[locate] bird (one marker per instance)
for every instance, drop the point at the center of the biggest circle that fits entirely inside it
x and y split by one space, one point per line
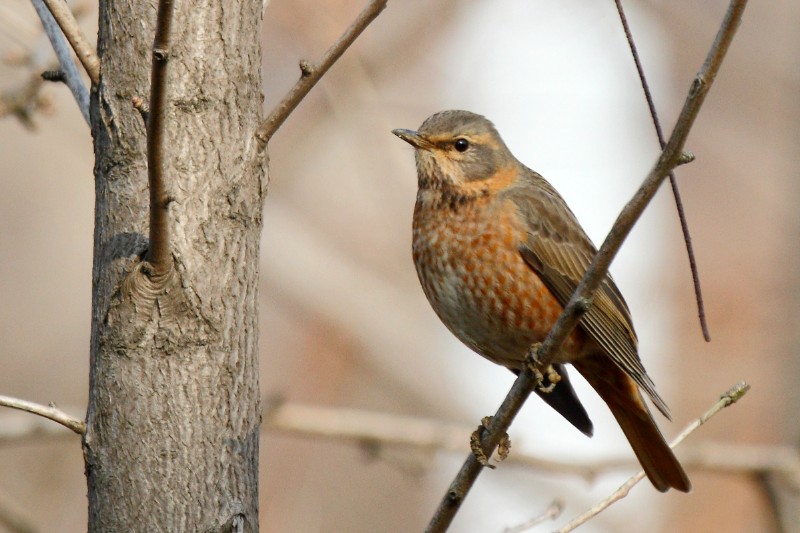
499 253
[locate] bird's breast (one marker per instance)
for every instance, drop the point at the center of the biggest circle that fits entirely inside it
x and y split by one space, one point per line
468 262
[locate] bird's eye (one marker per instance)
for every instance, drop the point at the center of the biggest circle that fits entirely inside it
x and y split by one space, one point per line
461 145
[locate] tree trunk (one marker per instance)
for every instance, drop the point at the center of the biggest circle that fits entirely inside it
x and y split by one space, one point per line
173 417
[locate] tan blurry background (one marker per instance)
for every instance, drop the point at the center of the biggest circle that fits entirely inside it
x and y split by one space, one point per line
343 321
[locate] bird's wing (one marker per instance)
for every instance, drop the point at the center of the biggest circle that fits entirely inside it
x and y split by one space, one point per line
560 252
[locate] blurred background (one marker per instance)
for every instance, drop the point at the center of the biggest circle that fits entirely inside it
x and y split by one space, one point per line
344 323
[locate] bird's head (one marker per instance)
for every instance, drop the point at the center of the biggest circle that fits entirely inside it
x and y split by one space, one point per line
457 148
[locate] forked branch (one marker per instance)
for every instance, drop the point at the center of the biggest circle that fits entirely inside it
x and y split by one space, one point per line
729 398
71 76
66 21
310 74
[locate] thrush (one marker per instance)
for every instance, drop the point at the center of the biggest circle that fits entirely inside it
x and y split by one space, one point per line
499 253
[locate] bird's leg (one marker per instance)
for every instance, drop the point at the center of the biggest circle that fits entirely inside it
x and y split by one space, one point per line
503 448
550 375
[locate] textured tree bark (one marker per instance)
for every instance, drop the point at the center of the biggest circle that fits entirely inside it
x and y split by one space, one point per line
173 416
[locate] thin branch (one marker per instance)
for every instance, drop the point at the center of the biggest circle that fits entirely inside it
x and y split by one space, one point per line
86 54
311 74
581 298
70 72
51 412
472 467
365 426
19 428
552 511
727 399
379 431
687 238
385 429
158 253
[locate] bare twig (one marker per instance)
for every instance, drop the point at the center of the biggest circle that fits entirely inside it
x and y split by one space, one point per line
311 74
727 399
51 412
469 472
86 54
581 298
19 428
360 425
383 430
54 75
687 238
71 76
158 253
552 511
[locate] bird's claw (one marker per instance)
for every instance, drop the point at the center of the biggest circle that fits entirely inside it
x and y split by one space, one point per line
552 376
503 447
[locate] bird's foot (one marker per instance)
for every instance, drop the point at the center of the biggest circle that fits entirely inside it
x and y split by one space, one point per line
552 377
503 447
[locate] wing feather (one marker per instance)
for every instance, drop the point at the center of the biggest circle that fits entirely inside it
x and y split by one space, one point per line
560 252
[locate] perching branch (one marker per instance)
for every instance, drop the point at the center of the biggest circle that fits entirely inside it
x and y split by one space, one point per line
727 399
51 412
687 238
66 21
632 211
310 74
158 253
597 271
71 75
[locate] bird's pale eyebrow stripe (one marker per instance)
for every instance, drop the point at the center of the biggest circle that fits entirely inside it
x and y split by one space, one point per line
486 139
443 138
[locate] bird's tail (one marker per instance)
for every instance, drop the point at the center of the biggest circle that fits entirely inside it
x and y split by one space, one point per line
622 395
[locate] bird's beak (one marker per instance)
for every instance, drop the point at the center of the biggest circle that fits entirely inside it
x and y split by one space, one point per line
414 138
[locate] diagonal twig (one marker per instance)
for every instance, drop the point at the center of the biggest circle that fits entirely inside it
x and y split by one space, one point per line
71 75
552 511
51 412
86 54
730 397
310 74
687 238
581 299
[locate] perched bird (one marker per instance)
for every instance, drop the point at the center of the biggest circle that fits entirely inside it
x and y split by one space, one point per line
499 254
